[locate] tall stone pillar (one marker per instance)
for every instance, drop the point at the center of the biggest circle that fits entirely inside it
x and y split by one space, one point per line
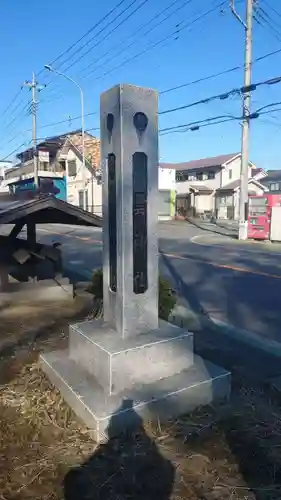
129 149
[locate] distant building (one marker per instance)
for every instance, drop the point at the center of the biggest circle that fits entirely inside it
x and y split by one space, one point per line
60 163
272 181
4 166
213 185
166 193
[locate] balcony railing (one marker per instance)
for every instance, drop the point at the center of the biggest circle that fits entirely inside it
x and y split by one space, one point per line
28 168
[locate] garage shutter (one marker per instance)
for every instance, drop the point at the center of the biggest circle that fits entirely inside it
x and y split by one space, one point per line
164 198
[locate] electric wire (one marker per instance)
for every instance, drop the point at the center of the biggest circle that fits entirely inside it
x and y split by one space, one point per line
85 34
145 25
107 34
151 47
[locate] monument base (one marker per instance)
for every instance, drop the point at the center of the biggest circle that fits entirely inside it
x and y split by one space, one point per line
200 384
119 364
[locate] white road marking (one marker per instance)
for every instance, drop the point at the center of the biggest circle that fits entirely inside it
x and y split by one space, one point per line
235 245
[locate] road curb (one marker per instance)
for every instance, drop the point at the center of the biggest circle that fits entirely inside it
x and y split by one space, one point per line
245 336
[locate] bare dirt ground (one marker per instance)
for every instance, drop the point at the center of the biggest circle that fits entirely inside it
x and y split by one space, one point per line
225 453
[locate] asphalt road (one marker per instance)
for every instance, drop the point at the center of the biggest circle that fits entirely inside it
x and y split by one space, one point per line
234 282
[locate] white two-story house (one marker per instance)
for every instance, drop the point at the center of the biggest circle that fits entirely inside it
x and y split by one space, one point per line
212 185
76 179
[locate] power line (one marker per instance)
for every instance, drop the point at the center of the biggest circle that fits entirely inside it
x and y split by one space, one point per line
44 139
196 125
261 17
86 34
203 79
193 82
224 95
67 121
156 44
221 73
268 106
272 8
140 29
14 151
269 16
24 110
202 101
107 35
11 102
151 47
191 126
197 122
159 42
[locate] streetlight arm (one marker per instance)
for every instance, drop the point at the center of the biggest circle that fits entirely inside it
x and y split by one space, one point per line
68 78
235 13
53 70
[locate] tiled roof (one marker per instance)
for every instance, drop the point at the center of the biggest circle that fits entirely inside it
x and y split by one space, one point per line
272 175
215 161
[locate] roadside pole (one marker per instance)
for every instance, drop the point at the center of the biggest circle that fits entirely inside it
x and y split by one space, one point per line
246 99
33 86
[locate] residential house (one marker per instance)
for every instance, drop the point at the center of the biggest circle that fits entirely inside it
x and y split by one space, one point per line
71 154
273 181
211 185
166 193
227 198
60 159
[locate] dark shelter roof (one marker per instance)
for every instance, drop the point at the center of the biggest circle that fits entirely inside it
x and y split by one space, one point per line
46 210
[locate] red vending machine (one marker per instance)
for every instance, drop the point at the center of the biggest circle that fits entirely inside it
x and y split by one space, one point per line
260 212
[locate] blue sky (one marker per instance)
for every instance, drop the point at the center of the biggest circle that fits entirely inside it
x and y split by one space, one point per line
33 35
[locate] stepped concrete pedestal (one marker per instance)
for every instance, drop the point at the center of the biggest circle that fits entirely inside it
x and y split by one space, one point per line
130 363
157 371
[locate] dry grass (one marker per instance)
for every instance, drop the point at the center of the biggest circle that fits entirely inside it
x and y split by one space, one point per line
227 455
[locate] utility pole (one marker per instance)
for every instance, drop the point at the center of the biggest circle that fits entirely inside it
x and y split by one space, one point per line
33 86
246 97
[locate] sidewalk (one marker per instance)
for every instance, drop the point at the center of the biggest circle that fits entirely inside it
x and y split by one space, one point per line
218 227
213 238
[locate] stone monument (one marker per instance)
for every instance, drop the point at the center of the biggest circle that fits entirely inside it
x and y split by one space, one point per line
131 355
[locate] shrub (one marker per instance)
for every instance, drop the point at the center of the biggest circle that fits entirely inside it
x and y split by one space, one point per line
167 297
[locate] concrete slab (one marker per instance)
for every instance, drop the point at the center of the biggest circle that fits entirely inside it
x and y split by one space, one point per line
121 363
201 384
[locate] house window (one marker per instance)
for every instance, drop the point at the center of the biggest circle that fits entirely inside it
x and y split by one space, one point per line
230 174
81 199
211 175
62 165
199 177
43 165
72 170
274 186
